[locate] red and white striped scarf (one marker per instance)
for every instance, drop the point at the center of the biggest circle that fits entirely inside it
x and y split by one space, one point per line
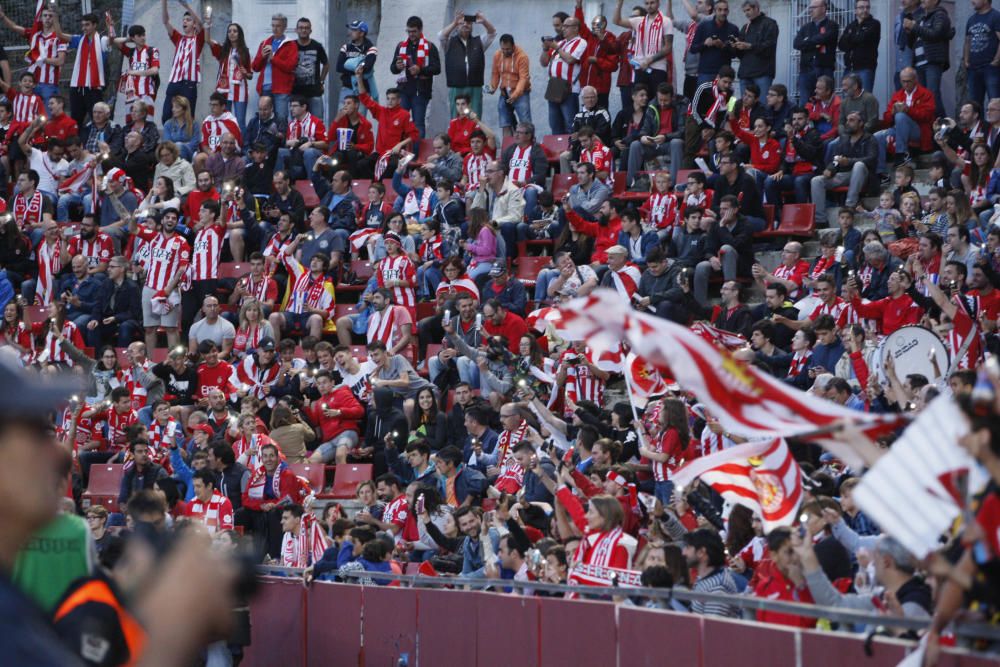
799 361
511 477
88 70
721 100
381 325
822 265
423 57
305 547
162 436
136 390
76 180
649 36
689 38
360 238
212 514
241 446
508 439
28 211
382 164
414 207
49 265
461 284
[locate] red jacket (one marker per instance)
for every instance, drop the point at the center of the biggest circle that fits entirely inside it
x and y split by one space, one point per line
766 158
288 486
512 328
605 50
283 62
604 237
61 128
364 135
891 312
625 73
775 586
341 398
921 111
394 125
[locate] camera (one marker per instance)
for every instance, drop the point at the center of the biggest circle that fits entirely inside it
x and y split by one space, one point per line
496 349
549 38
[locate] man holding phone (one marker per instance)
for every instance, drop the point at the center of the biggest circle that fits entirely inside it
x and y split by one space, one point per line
465 58
416 63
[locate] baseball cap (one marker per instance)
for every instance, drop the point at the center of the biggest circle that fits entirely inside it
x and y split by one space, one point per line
204 428
358 25
498 269
617 250
266 344
394 237
35 396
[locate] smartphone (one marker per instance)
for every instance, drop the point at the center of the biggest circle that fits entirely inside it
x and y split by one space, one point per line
420 504
470 18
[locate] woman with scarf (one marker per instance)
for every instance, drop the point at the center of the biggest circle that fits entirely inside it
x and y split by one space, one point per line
604 544
385 420
416 201
454 280
234 71
249 443
253 328
58 327
15 333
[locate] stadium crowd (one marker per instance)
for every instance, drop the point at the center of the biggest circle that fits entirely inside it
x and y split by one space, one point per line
262 304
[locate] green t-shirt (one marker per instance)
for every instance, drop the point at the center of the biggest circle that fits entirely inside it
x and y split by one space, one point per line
56 555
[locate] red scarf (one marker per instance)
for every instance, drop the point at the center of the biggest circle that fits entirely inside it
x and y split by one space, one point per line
511 477
821 267
27 211
305 547
799 360
423 57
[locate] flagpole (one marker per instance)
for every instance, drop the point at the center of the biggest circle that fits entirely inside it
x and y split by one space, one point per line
631 401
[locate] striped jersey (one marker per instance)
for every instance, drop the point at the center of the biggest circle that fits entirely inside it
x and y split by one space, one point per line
206 252
41 46
560 69
216 514
399 268
97 250
308 291
167 256
519 167
25 107
187 58
213 127
231 81
307 128
141 58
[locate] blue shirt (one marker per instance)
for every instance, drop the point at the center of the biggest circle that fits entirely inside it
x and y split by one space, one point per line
981 31
275 43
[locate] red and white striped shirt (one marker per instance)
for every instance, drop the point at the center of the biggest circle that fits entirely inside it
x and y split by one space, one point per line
216 514
841 311
667 442
386 325
88 68
263 290
794 273
26 107
28 211
308 291
187 58
396 512
519 167
52 351
647 36
253 378
308 128
167 256
117 423
163 436
137 392
142 58
97 250
663 210
399 268
206 252
41 46
213 127
474 169
277 245
962 327
599 155
231 81
581 384
561 69
49 265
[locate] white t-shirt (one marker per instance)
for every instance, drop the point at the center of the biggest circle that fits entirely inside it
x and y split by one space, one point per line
358 382
218 332
581 275
49 172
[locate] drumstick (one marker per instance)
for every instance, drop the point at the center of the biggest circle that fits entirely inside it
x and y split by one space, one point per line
932 355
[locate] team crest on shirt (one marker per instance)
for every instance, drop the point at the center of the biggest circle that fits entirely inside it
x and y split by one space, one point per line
765 154
770 489
395 122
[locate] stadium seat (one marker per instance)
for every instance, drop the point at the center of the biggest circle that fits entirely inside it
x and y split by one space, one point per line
37 313
105 483
769 215
308 192
348 476
529 267
425 147
682 177
553 145
506 143
390 193
360 189
362 268
546 246
561 183
312 472
360 352
233 269
425 309
796 220
341 309
619 189
157 355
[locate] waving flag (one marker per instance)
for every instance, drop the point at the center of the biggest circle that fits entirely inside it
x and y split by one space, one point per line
917 490
761 476
746 401
713 334
539 319
644 380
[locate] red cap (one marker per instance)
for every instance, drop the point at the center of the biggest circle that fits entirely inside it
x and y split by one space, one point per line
204 428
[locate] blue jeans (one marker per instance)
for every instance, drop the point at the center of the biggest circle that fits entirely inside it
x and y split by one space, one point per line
542 280
930 78
663 491
416 104
65 201
309 157
188 89
428 280
904 131
280 102
561 115
530 204
981 81
867 78
480 269
763 82
797 184
518 111
239 109
807 82
45 91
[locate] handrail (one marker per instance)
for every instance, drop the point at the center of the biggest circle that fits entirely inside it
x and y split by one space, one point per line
746 602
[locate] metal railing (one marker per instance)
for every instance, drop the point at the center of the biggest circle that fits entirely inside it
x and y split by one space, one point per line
969 630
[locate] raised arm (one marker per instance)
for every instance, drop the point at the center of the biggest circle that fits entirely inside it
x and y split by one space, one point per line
617 18
20 30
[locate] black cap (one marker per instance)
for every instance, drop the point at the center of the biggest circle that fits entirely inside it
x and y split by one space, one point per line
29 395
266 344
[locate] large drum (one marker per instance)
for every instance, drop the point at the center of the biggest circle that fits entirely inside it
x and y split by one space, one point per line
915 350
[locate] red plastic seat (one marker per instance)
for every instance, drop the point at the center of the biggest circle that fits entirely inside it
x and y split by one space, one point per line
506 143
425 148
104 485
308 192
425 309
769 215
796 220
529 267
233 269
312 472
544 244
347 478
342 309
619 188
360 189
37 313
682 176
362 268
554 144
561 183
158 354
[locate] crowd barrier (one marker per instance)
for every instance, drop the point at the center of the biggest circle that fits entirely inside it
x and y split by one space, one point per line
346 624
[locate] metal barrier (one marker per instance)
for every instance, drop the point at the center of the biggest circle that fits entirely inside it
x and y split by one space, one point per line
295 625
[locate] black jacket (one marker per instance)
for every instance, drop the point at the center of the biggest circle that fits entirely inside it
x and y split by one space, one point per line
760 59
818 45
864 150
352 50
809 147
782 337
270 132
740 238
178 388
133 481
423 82
739 321
598 119
743 188
621 130
139 166
464 64
933 32
128 301
860 44
231 484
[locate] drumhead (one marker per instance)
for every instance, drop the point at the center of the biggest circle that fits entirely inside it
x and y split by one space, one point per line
915 350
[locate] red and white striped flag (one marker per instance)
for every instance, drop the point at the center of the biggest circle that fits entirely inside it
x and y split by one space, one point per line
626 280
746 401
761 476
917 490
540 319
713 334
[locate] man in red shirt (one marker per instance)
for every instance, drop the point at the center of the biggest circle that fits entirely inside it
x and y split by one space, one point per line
337 413
356 153
783 580
894 311
59 126
789 273
208 505
204 191
499 321
600 60
396 130
909 115
212 372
